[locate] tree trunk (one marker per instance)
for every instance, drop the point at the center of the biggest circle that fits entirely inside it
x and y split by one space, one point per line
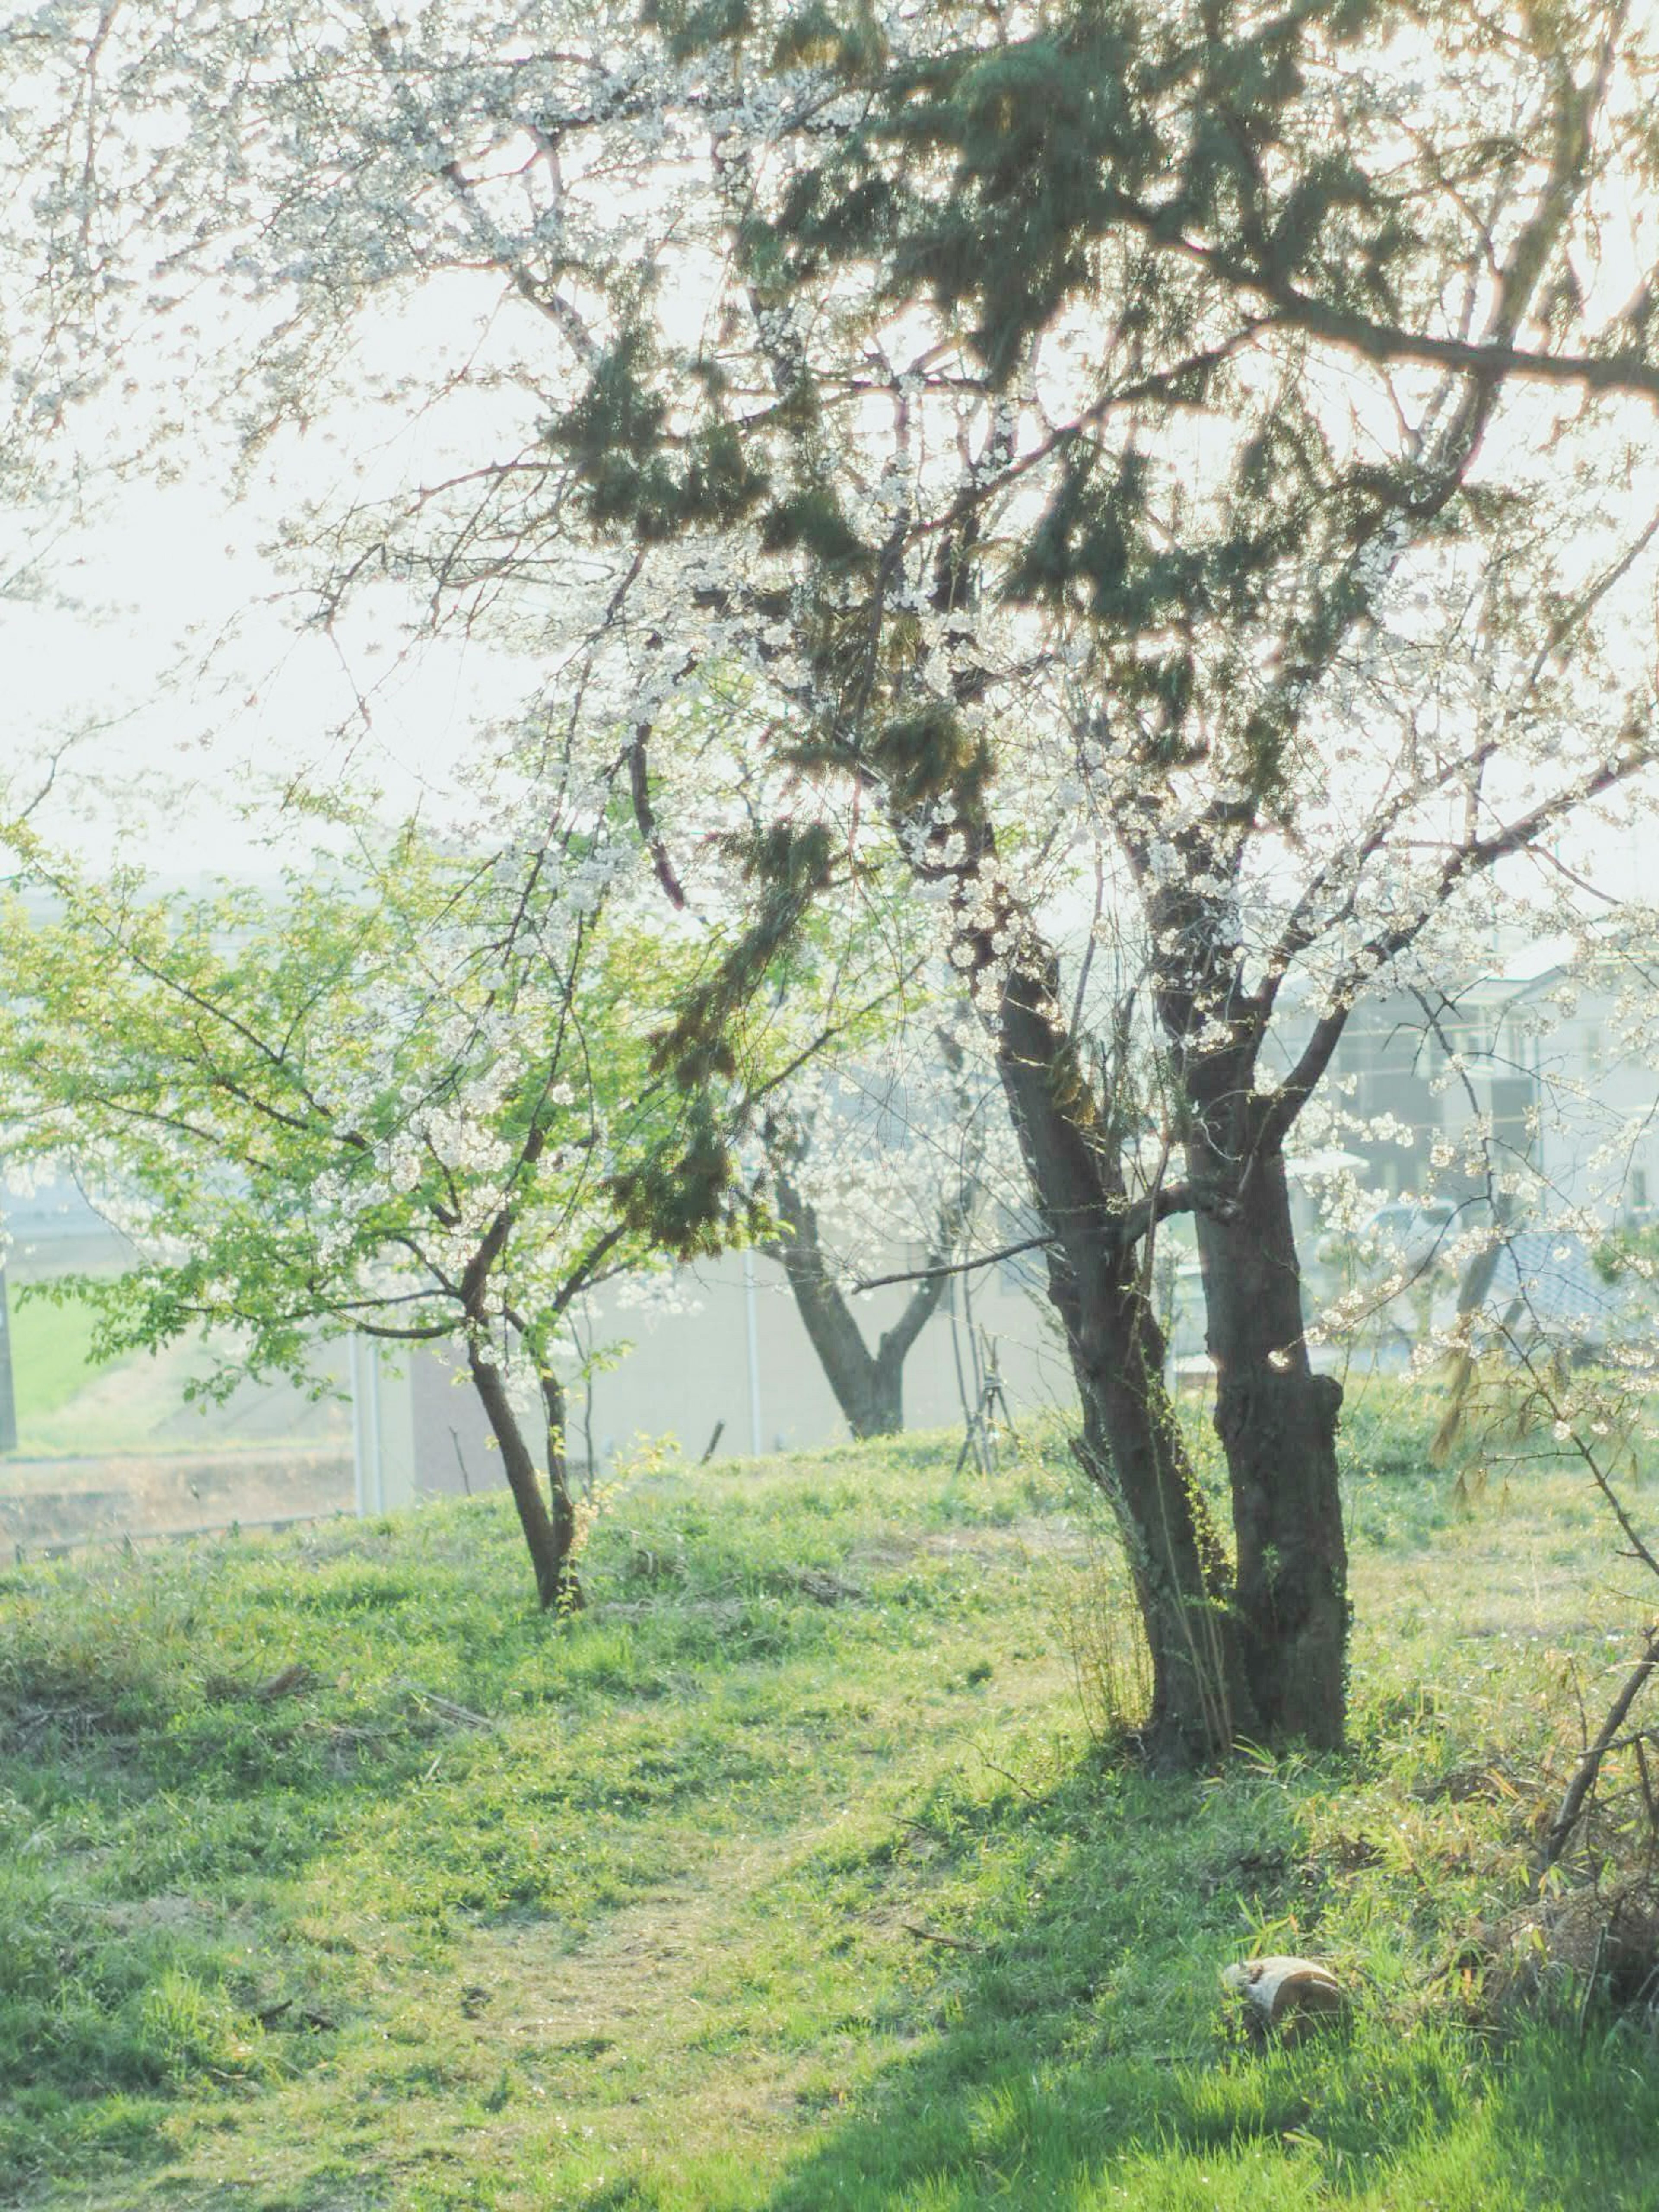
1277 1422
1132 1447
1131 1444
869 1387
549 1522
1477 1280
563 1504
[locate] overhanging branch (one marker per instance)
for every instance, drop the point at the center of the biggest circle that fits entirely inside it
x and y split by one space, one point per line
1627 371
1126 1227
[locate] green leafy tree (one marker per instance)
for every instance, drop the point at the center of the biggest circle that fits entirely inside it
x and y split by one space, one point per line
412 1097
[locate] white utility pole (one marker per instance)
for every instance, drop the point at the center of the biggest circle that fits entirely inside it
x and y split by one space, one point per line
366 1457
749 1299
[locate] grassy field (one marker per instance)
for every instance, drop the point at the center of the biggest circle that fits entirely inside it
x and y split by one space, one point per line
50 1355
789 1876
70 1406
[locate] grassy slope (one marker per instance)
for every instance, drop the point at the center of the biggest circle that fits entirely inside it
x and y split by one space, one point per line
68 1405
724 1896
50 1346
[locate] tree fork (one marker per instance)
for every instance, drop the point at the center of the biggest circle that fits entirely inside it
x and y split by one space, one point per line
869 1387
1131 1446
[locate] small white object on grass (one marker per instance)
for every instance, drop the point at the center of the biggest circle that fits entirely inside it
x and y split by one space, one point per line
1285 1995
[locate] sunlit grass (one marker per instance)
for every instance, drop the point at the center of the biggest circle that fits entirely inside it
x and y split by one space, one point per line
785 1876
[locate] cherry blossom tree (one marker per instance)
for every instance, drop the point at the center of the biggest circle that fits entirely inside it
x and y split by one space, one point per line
1187 465
903 1146
412 1098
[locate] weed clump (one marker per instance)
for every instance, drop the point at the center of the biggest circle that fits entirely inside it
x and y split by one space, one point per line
1560 1955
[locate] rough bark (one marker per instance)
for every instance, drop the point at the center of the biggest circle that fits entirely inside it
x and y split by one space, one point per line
1131 1448
869 1387
1131 1444
548 1520
562 1504
1276 1419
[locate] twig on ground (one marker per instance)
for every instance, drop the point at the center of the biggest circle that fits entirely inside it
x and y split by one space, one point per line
1036 1795
446 1708
937 1936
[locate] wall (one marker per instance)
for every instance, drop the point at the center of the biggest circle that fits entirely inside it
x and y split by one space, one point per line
689 1370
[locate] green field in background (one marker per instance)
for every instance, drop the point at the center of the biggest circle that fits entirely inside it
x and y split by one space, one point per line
70 1406
51 1360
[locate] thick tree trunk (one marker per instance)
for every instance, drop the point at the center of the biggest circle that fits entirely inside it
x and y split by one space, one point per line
869 1387
1131 1444
1277 1422
548 1522
1132 1447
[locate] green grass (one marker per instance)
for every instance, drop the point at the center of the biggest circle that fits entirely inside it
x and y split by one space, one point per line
50 1356
722 1898
70 1405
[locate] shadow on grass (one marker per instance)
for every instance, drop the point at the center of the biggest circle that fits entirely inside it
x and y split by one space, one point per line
246 1791
1081 2056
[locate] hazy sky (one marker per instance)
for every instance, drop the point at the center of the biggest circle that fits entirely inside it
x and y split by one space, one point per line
169 642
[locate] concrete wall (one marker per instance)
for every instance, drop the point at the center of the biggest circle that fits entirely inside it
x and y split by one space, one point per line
689 1370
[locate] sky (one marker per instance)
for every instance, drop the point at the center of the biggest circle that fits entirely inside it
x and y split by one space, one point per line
163 574
166 649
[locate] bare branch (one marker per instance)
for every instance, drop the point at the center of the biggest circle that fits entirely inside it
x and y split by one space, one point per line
1470 858
956 1266
640 785
1590 1765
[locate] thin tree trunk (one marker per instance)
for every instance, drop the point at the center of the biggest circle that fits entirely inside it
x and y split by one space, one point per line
1477 1280
561 1499
549 1526
1276 1419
